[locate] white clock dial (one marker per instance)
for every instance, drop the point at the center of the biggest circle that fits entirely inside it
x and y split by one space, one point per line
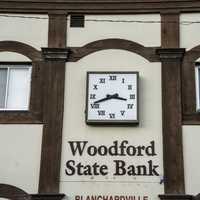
112 97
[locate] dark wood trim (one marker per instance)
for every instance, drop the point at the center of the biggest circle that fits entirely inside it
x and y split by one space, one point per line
12 192
54 82
34 114
100 6
176 197
190 116
57 31
15 193
54 54
21 48
172 120
47 196
170 30
76 53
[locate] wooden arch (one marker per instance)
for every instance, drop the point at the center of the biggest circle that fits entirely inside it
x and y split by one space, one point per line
12 192
76 53
21 48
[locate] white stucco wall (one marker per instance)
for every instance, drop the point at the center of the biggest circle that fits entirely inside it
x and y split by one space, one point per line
27 30
189 33
20 145
147 34
150 128
20 150
191 150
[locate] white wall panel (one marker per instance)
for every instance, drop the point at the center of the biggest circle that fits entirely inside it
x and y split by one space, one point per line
150 128
191 150
189 33
12 57
147 34
20 151
27 30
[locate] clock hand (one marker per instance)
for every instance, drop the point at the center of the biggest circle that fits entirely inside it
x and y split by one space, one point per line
116 96
120 98
108 97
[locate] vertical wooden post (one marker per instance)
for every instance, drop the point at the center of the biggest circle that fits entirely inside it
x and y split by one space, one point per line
171 57
55 57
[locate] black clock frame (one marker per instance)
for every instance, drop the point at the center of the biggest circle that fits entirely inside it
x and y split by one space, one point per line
112 122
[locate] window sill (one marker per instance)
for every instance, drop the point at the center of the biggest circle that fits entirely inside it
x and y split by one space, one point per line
19 117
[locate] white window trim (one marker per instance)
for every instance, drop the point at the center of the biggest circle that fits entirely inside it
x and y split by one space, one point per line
19 66
197 84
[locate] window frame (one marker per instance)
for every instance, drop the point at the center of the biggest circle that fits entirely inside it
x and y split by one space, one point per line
197 85
15 65
33 115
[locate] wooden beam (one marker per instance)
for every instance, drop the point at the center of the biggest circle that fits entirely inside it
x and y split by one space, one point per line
53 105
172 120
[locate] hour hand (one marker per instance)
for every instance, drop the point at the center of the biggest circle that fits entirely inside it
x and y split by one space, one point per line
104 99
120 98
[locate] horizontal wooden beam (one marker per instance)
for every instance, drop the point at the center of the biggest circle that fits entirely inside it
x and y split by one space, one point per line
99 6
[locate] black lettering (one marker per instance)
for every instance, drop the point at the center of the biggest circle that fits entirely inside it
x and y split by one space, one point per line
132 96
150 150
102 150
95 106
95 87
77 147
112 78
122 112
92 96
152 169
141 170
102 80
130 87
101 112
112 115
123 80
70 168
130 106
92 150
131 151
120 167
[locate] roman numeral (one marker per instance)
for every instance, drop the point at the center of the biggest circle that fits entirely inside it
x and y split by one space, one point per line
101 112
102 80
92 96
130 106
94 106
122 112
132 96
95 87
123 80
130 87
112 78
112 115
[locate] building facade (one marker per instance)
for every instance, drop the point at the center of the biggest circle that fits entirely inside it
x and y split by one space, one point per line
48 150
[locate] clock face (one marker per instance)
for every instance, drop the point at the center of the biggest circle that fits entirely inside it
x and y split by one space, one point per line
112 98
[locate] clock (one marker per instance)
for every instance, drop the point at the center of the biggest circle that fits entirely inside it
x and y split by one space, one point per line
112 98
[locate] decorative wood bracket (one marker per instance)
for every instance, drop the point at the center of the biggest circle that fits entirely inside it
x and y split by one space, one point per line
171 54
55 54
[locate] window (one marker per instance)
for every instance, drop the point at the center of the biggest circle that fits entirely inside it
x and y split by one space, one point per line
15 81
197 77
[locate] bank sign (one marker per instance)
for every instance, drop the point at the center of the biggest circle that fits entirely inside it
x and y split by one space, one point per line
139 160
123 169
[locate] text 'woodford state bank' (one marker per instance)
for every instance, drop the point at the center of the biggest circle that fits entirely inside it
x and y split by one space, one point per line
118 149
